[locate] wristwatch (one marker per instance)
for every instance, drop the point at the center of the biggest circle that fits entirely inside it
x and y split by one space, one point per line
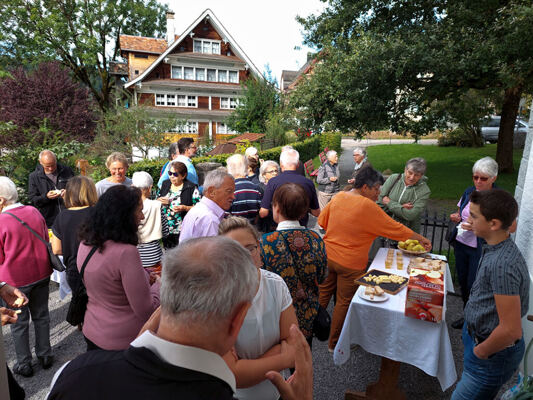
2 284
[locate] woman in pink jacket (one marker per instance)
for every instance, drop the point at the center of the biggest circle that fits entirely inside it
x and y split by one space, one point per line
121 298
24 263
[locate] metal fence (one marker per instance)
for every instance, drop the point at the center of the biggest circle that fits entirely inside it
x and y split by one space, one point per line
435 227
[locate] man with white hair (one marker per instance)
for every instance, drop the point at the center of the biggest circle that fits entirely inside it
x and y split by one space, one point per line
289 159
208 284
328 178
247 195
47 186
203 219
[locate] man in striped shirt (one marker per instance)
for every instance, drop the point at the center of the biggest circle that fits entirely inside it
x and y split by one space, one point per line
247 195
492 333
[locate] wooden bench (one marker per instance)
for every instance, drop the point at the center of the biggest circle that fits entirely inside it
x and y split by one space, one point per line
322 157
310 169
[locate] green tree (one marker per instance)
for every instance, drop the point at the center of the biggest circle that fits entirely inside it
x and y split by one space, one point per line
260 100
82 34
396 63
133 128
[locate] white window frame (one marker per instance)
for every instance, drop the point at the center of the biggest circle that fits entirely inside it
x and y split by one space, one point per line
172 71
209 44
186 100
223 129
205 69
188 127
232 103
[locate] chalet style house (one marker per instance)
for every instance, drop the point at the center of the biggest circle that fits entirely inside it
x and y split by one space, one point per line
195 76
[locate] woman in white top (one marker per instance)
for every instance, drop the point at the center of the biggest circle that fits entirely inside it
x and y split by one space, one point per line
261 345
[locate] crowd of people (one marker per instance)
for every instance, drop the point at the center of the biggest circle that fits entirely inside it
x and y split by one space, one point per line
212 289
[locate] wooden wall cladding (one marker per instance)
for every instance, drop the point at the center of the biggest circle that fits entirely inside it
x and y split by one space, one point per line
147 99
203 102
203 129
215 103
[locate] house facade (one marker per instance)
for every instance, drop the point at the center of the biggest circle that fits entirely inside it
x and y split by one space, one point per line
195 76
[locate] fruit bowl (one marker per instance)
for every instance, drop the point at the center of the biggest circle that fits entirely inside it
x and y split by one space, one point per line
412 252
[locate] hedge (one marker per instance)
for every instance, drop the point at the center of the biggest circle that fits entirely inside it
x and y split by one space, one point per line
308 149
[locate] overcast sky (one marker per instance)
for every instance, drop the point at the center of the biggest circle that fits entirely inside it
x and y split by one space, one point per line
266 31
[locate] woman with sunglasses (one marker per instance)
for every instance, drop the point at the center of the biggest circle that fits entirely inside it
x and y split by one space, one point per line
466 244
178 195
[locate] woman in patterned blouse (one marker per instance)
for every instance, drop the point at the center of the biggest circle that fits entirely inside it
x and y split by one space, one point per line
178 196
296 253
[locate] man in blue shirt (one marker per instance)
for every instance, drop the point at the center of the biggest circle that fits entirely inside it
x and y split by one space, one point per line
186 149
288 160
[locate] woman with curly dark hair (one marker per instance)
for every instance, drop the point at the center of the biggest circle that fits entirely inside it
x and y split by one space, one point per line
121 298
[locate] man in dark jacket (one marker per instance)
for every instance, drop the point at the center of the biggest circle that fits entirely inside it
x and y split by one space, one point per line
207 286
47 186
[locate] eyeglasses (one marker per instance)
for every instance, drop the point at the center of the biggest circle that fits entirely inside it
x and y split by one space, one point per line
272 171
480 178
176 174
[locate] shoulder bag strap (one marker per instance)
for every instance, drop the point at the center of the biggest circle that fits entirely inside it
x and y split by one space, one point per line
394 184
86 261
27 227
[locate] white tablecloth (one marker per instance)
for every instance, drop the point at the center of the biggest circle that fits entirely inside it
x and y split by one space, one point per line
383 329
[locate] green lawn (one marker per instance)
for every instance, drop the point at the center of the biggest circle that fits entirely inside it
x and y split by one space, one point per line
449 168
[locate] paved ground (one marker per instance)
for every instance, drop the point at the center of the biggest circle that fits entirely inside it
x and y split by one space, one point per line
330 381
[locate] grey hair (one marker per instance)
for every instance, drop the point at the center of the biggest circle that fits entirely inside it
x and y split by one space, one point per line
289 157
286 147
330 153
116 156
237 165
487 166
215 178
233 223
44 152
251 152
264 167
359 150
417 164
204 279
8 190
142 180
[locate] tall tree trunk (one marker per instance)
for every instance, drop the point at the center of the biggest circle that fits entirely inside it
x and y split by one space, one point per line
504 151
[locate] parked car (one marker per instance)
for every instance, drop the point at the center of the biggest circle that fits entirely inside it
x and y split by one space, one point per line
490 129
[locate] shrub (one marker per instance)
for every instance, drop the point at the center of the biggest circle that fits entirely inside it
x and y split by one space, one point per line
457 137
308 149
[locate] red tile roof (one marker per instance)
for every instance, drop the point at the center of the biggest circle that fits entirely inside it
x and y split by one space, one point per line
252 137
224 148
142 44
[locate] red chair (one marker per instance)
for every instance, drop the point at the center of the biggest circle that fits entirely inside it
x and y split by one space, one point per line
310 169
322 157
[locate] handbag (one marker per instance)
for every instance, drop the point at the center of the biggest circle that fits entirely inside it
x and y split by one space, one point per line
451 233
54 259
322 322
78 304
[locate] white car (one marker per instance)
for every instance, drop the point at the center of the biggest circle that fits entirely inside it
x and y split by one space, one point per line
490 129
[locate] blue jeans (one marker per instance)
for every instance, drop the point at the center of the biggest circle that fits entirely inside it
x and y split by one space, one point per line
482 379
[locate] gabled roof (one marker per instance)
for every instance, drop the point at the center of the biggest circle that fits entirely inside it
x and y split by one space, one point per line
302 72
222 32
118 68
141 44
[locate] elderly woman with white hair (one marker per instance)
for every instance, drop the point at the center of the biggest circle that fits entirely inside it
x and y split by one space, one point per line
153 227
404 196
361 160
269 169
328 178
117 164
466 244
247 195
25 264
